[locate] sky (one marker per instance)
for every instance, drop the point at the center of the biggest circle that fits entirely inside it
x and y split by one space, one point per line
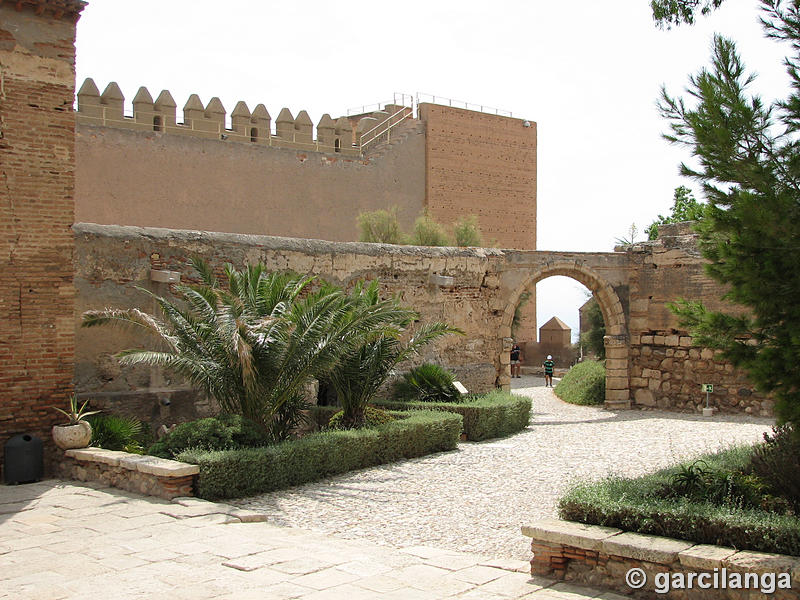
587 72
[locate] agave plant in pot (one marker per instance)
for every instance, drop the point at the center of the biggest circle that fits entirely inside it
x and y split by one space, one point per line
76 433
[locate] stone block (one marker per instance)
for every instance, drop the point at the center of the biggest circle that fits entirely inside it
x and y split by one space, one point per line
617 395
761 562
569 533
644 397
647 339
707 354
98 455
705 557
649 548
658 340
671 340
685 341
616 383
616 363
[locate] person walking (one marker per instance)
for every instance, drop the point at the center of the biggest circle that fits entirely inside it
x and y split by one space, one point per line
548 365
516 360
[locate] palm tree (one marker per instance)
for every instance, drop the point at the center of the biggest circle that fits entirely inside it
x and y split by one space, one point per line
255 345
362 371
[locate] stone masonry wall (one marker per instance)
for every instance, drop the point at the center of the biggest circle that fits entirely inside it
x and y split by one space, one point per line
37 79
112 260
666 368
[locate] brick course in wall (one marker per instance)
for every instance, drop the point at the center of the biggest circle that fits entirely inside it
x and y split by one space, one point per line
37 138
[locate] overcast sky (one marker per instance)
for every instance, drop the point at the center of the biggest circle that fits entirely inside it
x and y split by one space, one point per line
588 72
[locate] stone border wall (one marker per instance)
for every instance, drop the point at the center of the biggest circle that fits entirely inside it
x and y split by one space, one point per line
146 475
602 556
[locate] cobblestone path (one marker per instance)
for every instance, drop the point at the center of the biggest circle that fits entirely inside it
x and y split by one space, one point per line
476 498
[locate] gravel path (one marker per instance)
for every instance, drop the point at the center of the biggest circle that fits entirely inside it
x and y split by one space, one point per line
476 498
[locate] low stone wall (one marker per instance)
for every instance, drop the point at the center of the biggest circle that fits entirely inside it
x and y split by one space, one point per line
146 475
667 371
663 567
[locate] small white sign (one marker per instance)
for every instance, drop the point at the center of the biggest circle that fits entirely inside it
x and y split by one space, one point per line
460 387
708 388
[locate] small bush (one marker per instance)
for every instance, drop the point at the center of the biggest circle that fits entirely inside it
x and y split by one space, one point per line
214 433
777 463
427 383
639 505
249 471
380 226
496 414
428 232
372 418
117 432
585 383
467 232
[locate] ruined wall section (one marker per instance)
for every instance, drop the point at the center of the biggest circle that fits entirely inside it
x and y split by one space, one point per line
111 261
667 368
37 75
484 164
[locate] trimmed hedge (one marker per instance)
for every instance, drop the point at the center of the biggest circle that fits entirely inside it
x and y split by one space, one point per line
249 471
585 384
496 414
637 505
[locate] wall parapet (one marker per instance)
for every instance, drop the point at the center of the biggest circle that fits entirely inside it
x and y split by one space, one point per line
341 135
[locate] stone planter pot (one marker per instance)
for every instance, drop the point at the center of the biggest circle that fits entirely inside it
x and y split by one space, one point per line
68 437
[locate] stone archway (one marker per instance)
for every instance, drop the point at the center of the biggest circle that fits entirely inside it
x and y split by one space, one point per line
616 340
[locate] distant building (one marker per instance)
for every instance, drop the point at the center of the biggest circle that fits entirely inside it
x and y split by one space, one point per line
555 339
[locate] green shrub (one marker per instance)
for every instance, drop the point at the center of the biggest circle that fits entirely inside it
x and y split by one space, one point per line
380 226
116 432
372 418
245 472
777 463
427 383
214 433
467 232
639 505
585 383
496 414
428 232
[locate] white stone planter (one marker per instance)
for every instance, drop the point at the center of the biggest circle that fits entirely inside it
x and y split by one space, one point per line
67 437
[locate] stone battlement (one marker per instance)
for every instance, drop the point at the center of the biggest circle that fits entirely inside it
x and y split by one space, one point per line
342 135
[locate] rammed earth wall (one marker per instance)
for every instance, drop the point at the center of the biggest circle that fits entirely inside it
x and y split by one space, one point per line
113 261
651 362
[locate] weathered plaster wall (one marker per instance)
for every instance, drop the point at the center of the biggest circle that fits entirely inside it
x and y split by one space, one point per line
155 179
111 261
37 78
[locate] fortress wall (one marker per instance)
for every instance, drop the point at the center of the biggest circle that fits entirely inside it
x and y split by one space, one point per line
155 179
111 261
37 80
484 164
666 367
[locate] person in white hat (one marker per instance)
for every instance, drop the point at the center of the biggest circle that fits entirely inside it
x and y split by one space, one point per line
548 371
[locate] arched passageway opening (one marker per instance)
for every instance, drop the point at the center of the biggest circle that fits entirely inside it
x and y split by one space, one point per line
616 340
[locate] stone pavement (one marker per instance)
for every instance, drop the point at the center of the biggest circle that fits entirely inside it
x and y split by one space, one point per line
68 540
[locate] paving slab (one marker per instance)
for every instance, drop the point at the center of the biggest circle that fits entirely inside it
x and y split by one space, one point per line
151 554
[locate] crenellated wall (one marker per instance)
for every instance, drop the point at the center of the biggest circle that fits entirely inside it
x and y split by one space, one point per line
340 136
